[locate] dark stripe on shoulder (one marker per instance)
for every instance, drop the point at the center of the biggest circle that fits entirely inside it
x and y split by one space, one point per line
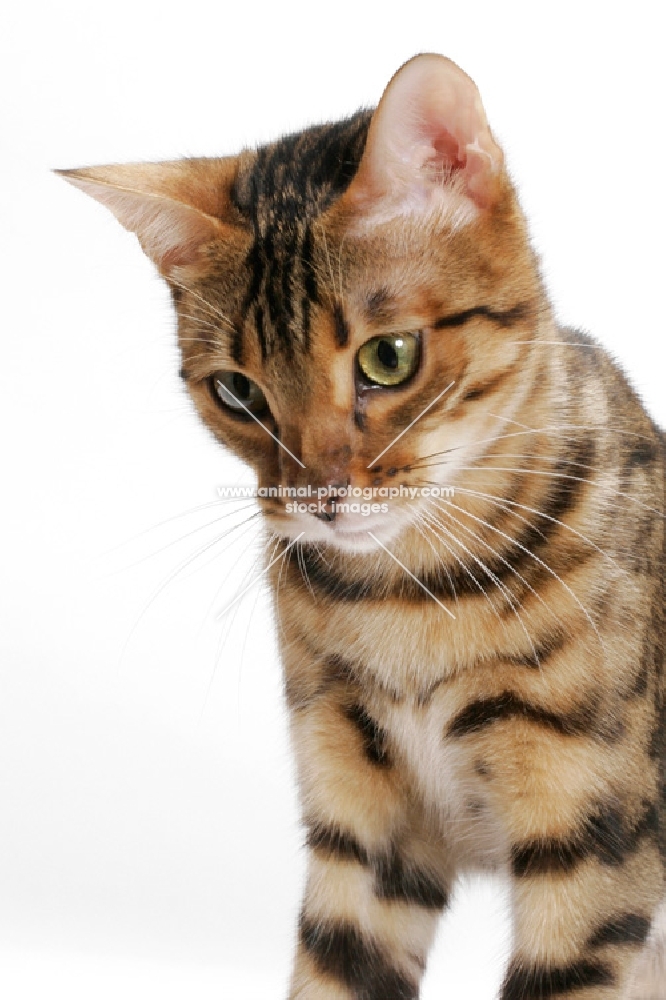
372 735
541 982
340 950
626 928
486 712
396 881
503 318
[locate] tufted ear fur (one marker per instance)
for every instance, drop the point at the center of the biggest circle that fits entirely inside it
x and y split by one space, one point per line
429 145
174 208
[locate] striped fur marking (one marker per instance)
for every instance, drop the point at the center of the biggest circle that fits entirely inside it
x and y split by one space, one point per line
403 883
339 950
485 712
278 193
373 737
504 318
395 879
526 982
627 928
605 835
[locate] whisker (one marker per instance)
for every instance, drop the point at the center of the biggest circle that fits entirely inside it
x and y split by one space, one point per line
226 631
562 475
179 569
496 580
548 569
416 522
188 534
428 519
303 569
504 561
551 429
534 510
556 343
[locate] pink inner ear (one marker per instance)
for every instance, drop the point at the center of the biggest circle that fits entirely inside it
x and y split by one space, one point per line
429 127
448 151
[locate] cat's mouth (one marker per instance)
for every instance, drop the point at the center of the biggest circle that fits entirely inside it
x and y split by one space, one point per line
349 532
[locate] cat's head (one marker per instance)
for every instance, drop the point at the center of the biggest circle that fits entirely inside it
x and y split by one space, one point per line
352 300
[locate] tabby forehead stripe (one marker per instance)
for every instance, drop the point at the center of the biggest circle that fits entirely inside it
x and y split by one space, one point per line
288 184
341 326
525 982
340 950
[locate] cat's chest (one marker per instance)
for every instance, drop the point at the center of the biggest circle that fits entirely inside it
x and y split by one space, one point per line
448 778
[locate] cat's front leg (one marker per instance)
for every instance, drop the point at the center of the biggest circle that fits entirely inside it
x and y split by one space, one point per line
585 886
376 883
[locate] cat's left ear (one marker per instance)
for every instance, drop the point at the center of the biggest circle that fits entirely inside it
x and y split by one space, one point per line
429 144
174 208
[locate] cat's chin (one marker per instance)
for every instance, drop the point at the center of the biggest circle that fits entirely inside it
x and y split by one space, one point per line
346 534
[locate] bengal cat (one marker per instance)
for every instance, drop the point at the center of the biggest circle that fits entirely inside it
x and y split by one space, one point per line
474 677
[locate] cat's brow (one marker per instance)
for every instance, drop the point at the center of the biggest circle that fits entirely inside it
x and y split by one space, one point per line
379 306
503 318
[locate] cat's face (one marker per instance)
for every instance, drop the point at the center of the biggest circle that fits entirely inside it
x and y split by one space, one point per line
353 301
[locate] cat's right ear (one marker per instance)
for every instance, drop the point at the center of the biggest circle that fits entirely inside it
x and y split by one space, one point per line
174 208
429 147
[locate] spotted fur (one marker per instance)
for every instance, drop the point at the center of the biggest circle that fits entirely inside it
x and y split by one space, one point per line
480 682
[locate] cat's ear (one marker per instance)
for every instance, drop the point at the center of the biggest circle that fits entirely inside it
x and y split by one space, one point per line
174 208
429 143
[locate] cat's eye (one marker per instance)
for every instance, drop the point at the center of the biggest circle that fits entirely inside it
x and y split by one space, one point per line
389 360
238 392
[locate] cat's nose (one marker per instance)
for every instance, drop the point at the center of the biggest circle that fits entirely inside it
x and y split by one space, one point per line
329 511
326 515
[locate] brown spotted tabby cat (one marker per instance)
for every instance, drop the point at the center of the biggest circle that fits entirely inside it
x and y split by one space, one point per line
474 680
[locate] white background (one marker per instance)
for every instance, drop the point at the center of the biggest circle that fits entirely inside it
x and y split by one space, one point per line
149 841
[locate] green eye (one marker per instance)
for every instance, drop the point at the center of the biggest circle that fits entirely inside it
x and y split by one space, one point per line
389 360
238 392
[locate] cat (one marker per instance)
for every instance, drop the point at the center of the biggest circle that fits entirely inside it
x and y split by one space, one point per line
475 677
